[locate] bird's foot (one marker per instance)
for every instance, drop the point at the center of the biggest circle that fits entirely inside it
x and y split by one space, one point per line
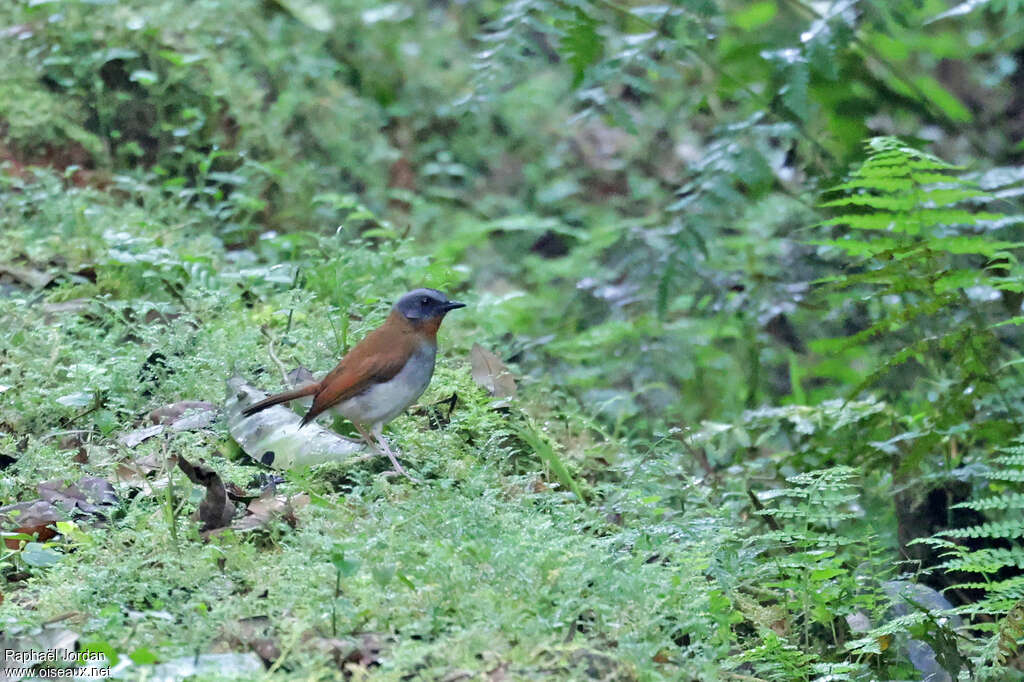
395 463
380 445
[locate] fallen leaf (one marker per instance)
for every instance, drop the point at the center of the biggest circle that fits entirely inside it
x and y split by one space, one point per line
255 633
498 674
37 279
90 494
274 438
17 31
77 399
136 472
300 375
36 517
265 509
170 414
215 511
74 441
153 316
312 14
133 438
238 493
491 373
362 650
194 421
203 666
27 648
52 310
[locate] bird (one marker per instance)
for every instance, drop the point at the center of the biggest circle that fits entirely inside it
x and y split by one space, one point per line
382 375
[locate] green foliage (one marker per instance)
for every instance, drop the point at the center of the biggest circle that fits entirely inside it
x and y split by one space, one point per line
986 557
939 248
1003 478
931 271
762 393
809 577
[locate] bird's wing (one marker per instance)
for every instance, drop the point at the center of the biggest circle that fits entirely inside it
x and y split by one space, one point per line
367 364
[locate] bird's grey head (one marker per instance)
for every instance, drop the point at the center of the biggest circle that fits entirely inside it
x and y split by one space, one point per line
424 304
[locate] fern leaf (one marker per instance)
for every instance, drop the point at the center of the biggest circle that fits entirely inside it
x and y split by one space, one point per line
986 561
581 44
1005 529
1003 502
1011 631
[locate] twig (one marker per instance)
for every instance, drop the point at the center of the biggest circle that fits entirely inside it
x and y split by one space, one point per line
698 454
273 356
756 503
64 432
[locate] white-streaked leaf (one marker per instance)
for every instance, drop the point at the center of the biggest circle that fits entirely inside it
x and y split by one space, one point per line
274 436
77 399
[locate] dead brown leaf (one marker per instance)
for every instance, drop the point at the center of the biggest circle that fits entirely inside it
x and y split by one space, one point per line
238 493
133 438
76 440
268 507
36 517
90 495
52 310
300 375
154 316
358 651
37 279
215 511
255 633
175 412
491 373
134 472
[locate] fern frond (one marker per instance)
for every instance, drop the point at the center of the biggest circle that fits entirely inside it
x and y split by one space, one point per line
1001 595
1003 502
986 561
995 529
1010 633
1011 588
895 626
1014 459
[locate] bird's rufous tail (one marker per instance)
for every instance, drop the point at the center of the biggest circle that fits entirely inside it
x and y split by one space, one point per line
278 398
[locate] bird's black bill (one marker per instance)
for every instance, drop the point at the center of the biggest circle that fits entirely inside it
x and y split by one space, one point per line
452 305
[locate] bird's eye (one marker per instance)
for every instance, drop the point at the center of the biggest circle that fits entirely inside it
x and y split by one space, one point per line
424 301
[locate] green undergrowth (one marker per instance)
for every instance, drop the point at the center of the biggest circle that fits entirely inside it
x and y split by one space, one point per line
765 420
491 563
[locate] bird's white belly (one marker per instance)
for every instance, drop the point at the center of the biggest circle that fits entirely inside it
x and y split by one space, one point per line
383 402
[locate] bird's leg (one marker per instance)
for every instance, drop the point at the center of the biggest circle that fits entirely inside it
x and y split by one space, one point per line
367 438
378 431
381 446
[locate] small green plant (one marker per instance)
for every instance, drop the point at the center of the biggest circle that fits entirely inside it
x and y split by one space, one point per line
343 568
987 557
923 247
807 576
